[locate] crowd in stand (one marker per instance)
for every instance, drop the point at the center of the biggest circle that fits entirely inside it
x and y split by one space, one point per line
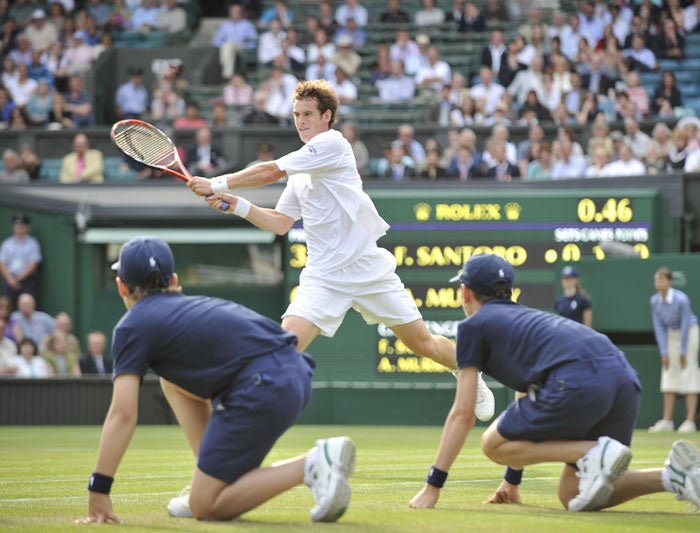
34 344
580 69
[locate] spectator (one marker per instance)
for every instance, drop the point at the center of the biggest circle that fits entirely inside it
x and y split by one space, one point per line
351 9
636 138
22 53
191 119
600 136
399 170
37 70
540 167
471 20
413 148
83 164
676 332
359 149
220 117
59 116
120 18
11 331
599 160
320 46
667 97
463 165
166 105
589 109
205 159
502 169
624 107
61 360
440 111
145 17
278 10
29 364
40 32
78 56
311 26
237 91
270 43
18 119
675 161
433 169
101 11
535 135
31 324
570 166
40 105
22 89
670 43
495 12
29 160
510 64
280 86
661 140
495 52
258 116
8 352
233 36
406 50
527 80
346 91
265 153
172 19
639 57
398 87
356 33
131 99
322 69
64 324
429 15
326 18
573 303
293 55
12 172
394 14
20 257
626 165
78 104
637 93
533 106
95 360
345 57
21 12
436 74
690 17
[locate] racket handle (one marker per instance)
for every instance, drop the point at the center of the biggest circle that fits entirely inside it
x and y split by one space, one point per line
225 206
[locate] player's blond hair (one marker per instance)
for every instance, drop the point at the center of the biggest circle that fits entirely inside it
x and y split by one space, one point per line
322 92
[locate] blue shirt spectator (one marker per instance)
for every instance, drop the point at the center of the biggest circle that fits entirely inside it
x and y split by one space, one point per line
145 16
236 29
33 324
132 97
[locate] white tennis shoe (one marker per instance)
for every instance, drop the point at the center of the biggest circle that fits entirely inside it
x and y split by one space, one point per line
485 402
327 477
661 426
604 464
179 506
688 426
683 467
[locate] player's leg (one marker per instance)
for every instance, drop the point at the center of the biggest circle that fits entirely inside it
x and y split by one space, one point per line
418 338
305 330
192 412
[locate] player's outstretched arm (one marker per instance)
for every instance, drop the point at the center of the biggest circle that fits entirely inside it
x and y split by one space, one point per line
459 422
262 217
255 176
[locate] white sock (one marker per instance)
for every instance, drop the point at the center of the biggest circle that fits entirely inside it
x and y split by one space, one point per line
666 480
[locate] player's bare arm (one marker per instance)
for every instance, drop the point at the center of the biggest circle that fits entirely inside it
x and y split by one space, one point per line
255 176
262 217
459 422
117 431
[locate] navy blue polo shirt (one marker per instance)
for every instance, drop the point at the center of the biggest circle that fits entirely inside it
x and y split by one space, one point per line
520 346
196 342
572 306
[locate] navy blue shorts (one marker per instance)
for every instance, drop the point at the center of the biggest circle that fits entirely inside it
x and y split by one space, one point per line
266 399
579 401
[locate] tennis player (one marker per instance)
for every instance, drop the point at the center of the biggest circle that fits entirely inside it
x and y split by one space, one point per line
577 400
345 267
235 381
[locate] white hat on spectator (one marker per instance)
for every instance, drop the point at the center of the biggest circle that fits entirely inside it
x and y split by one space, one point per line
38 14
688 121
344 40
422 38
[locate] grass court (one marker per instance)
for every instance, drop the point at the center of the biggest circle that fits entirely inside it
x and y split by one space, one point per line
44 472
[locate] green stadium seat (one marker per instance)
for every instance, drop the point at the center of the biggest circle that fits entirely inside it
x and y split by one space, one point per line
113 172
50 169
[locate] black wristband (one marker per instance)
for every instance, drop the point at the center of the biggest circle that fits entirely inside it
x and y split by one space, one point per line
514 477
436 477
100 483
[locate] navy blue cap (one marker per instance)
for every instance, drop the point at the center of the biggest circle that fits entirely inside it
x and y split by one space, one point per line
142 256
481 272
569 272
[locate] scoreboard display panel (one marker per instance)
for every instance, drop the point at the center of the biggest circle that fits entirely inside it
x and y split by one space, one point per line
434 232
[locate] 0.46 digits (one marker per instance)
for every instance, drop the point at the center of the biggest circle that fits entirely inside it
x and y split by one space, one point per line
612 210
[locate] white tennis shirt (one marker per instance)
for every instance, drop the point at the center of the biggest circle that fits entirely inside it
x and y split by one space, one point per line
324 189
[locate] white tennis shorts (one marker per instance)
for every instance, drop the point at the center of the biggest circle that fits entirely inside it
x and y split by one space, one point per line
682 380
370 286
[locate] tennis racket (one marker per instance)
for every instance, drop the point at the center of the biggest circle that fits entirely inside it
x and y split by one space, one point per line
148 145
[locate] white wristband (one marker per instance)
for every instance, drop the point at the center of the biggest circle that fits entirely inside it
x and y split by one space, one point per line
219 184
242 207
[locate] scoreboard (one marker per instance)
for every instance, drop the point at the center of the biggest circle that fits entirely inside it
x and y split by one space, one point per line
434 232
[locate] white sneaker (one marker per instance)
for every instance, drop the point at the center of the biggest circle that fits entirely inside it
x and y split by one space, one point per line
683 467
485 402
179 506
661 426
597 471
327 477
687 427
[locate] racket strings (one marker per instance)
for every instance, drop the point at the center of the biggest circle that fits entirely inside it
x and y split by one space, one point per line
145 146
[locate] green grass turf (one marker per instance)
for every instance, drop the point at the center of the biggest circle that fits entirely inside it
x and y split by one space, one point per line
44 471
